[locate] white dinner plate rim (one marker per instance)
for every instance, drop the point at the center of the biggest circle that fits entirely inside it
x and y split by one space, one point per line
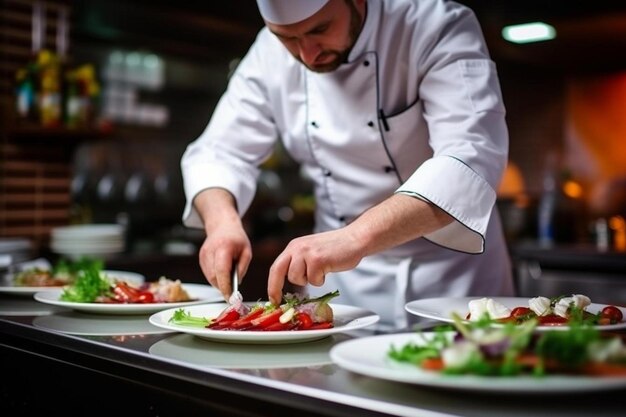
448 304
23 290
368 356
366 318
52 297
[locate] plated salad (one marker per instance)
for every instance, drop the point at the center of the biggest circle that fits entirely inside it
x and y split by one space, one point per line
295 313
557 311
63 272
91 286
479 348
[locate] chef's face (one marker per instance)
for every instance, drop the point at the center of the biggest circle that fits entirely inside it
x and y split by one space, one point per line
323 41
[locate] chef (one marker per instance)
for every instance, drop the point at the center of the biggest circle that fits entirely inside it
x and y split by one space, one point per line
393 109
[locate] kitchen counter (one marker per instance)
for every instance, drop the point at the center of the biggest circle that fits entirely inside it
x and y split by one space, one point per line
57 360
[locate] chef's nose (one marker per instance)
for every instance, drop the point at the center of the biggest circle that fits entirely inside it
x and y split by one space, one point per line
309 50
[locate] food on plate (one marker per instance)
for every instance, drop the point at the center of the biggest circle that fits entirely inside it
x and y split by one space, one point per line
64 272
91 286
479 348
547 311
295 313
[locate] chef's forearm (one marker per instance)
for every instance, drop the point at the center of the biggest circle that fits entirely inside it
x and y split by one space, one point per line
216 206
397 220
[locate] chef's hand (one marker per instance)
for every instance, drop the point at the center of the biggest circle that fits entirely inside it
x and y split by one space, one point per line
307 260
226 241
221 249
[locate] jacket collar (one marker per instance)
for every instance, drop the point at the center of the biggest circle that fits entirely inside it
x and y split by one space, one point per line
366 40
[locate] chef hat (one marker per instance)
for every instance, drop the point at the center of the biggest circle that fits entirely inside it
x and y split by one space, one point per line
285 12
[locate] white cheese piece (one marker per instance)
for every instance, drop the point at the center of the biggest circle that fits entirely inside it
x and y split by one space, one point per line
477 308
581 301
459 354
494 309
576 300
497 310
540 306
607 350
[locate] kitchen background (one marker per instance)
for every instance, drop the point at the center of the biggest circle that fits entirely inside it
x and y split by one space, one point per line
141 78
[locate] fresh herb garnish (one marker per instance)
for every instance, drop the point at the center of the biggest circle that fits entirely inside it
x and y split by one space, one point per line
184 318
89 285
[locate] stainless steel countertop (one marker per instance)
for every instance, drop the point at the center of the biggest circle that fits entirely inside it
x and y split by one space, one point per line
300 376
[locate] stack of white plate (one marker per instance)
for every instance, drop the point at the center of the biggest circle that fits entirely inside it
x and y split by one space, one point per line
14 249
96 240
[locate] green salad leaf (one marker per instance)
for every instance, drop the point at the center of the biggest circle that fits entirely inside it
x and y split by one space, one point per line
88 286
184 318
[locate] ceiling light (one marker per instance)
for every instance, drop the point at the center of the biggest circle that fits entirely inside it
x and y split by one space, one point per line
528 32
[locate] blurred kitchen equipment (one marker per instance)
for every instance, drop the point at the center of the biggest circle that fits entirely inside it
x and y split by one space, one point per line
138 189
13 250
16 249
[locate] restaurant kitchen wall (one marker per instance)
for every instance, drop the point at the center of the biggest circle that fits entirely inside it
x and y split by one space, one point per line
564 98
552 96
163 68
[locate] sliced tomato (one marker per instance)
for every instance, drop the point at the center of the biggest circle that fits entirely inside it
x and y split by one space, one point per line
612 313
222 325
432 364
229 314
321 325
124 293
520 311
304 320
278 326
266 319
245 322
552 320
145 297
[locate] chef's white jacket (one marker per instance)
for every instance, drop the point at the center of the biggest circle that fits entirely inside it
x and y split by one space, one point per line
417 109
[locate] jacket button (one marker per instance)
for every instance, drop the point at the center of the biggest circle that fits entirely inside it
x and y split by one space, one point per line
342 219
388 169
366 63
327 173
314 124
370 123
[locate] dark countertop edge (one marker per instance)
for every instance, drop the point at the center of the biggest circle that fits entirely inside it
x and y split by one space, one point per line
123 363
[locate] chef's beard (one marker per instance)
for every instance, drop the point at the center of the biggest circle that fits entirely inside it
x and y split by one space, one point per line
341 56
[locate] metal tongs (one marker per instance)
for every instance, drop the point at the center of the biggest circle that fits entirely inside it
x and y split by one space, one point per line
235 297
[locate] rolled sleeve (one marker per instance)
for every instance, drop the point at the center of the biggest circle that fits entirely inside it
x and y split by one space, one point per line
455 188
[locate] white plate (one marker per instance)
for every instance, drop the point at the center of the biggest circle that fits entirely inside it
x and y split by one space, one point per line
199 351
6 287
368 356
346 318
441 309
72 322
201 293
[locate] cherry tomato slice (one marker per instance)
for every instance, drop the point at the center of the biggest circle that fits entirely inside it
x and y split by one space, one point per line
267 319
246 321
304 321
612 313
520 311
552 320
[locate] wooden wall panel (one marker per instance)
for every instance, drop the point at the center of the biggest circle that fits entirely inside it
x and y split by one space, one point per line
35 173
